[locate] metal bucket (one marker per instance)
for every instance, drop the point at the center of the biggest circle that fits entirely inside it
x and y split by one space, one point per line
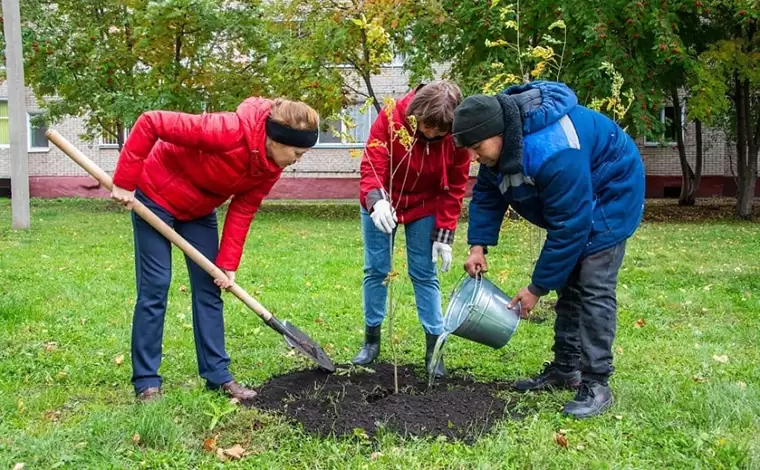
479 311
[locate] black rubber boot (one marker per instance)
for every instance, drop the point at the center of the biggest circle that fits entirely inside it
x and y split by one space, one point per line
440 369
593 398
550 378
371 348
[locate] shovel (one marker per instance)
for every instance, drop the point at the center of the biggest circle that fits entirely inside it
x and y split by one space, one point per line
294 337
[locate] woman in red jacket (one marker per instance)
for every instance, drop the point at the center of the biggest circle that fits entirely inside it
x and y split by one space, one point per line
422 189
182 167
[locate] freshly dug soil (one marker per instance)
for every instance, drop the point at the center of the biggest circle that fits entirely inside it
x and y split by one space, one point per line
338 404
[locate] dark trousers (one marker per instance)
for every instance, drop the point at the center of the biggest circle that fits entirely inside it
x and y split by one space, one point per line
153 266
587 315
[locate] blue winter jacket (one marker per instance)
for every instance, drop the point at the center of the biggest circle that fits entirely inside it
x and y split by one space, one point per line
584 183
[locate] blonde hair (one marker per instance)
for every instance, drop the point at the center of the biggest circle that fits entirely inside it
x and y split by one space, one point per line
434 104
294 114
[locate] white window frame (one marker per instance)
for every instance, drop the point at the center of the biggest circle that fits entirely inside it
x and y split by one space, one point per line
350 145
648 143
109 145
29 135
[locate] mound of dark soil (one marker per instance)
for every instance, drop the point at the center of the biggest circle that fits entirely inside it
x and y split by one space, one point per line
339 404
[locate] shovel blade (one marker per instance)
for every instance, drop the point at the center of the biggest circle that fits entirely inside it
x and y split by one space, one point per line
299 340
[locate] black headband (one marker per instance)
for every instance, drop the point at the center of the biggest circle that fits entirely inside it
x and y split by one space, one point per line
289 136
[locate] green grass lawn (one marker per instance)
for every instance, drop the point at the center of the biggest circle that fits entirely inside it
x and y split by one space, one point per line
687 380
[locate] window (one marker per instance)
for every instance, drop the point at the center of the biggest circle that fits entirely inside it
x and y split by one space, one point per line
37 141
37 138
5 135
109 140
355 136
667 117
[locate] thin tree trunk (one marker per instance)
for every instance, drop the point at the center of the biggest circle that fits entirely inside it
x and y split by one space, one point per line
699 156
746 180
687 196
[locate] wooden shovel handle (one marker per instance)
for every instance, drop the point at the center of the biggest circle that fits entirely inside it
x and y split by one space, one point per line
146 214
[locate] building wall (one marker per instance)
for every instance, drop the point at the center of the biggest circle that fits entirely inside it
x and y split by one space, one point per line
336 163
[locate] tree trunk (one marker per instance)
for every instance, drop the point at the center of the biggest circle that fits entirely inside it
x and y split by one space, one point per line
746 177
688 191
699 156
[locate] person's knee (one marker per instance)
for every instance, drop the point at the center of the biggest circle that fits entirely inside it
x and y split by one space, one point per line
156 286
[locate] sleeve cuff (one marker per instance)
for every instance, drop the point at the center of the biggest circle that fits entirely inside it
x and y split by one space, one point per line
442 235
374 196
537 291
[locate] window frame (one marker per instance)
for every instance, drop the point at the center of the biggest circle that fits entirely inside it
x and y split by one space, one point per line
655 143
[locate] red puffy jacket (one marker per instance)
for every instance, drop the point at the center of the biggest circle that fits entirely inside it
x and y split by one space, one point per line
431 181
190 164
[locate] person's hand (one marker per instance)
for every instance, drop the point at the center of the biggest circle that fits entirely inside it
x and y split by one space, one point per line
229 282
443 251
527 301
476 262
123 197
384 216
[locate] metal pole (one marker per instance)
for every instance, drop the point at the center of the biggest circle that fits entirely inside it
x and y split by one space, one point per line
19 139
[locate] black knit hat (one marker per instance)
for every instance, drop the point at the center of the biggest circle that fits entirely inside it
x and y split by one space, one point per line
477 118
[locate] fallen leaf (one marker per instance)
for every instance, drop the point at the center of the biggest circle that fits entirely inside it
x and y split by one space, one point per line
62 374
183 288
234 401
742 386
53 415
119 360
376 455
561 440
50 347
235 452
698 378
136 438
209 445
619 350
20 405
618 417
640 323
19 466
220 454
581 447
308 284
722 359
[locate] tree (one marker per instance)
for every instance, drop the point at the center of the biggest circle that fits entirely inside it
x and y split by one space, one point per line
335 47
111 61
728 92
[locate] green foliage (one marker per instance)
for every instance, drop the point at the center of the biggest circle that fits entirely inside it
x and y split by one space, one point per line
110 61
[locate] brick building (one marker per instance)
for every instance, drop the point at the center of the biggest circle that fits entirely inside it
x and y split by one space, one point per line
329 170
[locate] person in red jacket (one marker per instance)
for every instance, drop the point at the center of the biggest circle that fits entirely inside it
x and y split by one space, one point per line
183 166
420 185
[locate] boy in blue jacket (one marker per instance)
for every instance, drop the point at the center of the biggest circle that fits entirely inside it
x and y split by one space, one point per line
577 174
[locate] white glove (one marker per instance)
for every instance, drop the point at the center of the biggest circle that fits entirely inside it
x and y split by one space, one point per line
384 216
444 251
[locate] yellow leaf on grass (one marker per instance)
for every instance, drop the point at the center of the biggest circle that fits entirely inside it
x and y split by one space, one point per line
19 466
235 452
722 359
561 440
136 438
119 360
640 323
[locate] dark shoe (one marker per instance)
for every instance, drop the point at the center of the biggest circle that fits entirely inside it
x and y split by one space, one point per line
592 399
149 394
371 348
235 390
551 378
440 368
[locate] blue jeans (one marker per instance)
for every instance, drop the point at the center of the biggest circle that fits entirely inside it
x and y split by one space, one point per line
422 271
153 267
